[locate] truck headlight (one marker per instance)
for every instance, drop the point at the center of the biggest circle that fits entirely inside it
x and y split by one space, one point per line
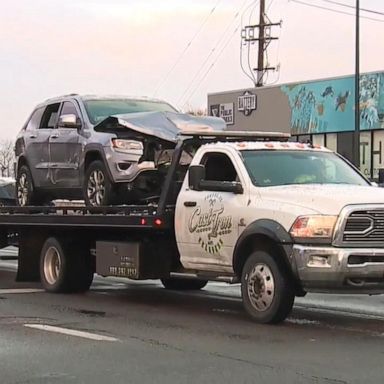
313 227
127 146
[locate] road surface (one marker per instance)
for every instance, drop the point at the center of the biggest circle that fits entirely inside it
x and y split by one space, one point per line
138 332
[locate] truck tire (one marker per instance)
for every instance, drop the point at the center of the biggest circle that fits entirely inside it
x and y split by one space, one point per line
179 284
98 188
65 268
25 191
266 290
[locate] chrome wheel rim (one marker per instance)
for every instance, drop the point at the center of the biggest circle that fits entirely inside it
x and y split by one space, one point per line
52 265
96 188
261 287
22 190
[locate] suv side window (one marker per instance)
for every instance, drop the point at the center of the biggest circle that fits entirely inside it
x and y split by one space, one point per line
34 121
69 109
219 167
49 119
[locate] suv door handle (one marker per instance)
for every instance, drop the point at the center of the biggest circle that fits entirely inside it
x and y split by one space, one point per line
190 203
32 136
54 136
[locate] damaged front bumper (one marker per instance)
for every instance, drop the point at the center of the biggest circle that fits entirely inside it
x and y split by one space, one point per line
330 269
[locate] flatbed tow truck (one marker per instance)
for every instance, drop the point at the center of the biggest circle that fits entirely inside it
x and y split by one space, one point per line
248 209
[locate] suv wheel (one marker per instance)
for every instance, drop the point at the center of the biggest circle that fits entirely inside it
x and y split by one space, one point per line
25 193
98 189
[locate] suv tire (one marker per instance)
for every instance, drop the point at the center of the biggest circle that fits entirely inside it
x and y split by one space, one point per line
97 189
25 191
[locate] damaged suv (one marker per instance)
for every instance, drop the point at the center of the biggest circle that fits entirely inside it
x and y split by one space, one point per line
105 150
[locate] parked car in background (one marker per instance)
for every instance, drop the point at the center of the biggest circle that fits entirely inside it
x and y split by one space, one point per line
7 191
104 150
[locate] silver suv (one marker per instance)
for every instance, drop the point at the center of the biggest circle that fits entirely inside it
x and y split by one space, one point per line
105 150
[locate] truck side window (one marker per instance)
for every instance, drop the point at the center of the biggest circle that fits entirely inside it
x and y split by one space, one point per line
219 167
50 116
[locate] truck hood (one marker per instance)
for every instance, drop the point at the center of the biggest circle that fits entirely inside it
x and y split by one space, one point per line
326 199
163 125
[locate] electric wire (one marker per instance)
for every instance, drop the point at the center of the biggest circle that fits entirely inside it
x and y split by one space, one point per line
185 95
251 75
353 7
202 25
334 10
213 64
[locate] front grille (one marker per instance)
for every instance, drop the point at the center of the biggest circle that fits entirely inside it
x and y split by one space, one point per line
365 226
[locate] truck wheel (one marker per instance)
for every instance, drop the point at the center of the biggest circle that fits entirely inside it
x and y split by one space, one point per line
178 284
25 192
97 189
266 290
64 269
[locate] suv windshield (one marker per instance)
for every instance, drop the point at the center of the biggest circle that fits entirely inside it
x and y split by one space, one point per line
98 110
271 168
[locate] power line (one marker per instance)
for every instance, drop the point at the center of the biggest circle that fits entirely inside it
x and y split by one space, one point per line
213 64
250 74
166 77
353 7
335 10
212 51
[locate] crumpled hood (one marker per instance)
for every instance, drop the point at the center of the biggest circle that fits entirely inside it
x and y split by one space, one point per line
164 125
326 199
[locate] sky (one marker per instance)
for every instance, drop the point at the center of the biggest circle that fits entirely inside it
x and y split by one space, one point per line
176 50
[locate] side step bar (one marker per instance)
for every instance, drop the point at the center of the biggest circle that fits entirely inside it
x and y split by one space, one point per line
205 276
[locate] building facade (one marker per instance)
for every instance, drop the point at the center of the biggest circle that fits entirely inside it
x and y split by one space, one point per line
322 111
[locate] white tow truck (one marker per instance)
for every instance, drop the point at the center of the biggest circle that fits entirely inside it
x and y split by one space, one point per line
281 218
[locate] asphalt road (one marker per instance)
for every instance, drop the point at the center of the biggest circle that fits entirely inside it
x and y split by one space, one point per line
137 332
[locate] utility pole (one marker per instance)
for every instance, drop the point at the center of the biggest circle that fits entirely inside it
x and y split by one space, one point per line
264 38
260 60
356 134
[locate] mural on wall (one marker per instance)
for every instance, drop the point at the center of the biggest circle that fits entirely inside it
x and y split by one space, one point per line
328 105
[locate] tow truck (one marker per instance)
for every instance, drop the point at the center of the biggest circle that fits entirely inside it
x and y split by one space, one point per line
278 217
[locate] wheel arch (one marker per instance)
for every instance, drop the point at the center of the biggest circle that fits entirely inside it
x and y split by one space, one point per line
268 235
94 153
22 160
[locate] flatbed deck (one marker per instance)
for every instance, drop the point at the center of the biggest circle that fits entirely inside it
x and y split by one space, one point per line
130 216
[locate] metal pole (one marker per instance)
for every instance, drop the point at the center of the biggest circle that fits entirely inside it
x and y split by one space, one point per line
356 141
260 61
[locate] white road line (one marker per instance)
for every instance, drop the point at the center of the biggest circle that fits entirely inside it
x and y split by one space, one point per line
70 332
20 290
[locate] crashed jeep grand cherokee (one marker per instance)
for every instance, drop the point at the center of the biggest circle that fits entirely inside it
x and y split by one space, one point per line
105 150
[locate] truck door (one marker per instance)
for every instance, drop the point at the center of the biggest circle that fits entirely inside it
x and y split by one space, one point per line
65 150
207 222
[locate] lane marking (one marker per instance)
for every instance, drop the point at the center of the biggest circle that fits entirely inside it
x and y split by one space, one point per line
20 291
70 332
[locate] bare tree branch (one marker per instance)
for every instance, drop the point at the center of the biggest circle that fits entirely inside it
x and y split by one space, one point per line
7 158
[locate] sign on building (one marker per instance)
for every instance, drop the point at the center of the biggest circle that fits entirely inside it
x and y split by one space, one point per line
246 103
225 111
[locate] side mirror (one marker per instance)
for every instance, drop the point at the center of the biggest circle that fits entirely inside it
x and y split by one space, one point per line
69 121
195 175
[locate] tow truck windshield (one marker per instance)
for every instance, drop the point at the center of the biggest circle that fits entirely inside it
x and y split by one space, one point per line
284 167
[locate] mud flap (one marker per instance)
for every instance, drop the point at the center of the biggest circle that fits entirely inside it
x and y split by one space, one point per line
30 245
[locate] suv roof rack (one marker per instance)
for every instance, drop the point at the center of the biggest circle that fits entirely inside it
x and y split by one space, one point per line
59 97
236 135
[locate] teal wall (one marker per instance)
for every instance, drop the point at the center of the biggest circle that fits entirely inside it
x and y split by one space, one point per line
328 105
